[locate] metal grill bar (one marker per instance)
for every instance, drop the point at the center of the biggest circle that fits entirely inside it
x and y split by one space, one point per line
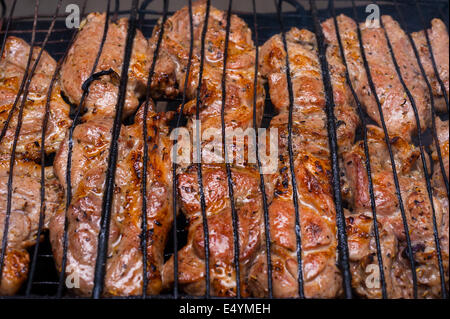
391 155
70 148
421 146
23 88
258 161
42 194
332 141
103 235
174 164
301 294
144 234
366 152
430 50
8 24
235 218
199 152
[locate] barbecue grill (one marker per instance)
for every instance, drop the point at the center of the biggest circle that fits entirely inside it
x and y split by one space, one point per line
50 32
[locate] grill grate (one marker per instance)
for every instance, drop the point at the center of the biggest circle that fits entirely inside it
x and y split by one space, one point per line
52 36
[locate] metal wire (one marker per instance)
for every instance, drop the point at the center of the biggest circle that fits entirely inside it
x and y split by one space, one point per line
42 193
199 152
430 50
258 161
144 226
391 155
235 218
366 153
301 294
332 141
103 236
70 148
5 127
421 147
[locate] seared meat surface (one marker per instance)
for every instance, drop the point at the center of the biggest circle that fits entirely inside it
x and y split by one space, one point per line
397 110
124 271
238 112
24 218
438 36
173 57
26 187
321 276
393 242
13 66
191 258
81 57
442 135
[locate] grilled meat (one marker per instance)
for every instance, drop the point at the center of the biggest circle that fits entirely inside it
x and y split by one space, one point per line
13 67
393 241
26 188
397 109
438 36
124 271
442 135
78 64
321 277
238 112
173 58
24 218
191 258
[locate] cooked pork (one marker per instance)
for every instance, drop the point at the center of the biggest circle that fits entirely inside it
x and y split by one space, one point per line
26 197
442 135
124 269
12 69
397 110
77 67
438 36
312 169
24 218
418 212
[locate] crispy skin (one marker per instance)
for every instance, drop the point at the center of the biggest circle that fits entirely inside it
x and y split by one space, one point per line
170 70
397 110
438 36
124 271
248 203
312 169
80 60
393 242
12 69
24 218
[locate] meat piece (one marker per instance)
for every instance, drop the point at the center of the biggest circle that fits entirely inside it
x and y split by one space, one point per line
397 110
442 135
12 69
173 58
438 36
124 269
393 241
321 276
238 114
191 258
81 57
24 217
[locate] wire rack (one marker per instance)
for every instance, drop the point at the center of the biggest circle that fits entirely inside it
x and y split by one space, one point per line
50 33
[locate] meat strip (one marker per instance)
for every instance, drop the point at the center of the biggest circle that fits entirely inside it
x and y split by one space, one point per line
395 104
418 212
438 36
321 276
78 64
124 269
